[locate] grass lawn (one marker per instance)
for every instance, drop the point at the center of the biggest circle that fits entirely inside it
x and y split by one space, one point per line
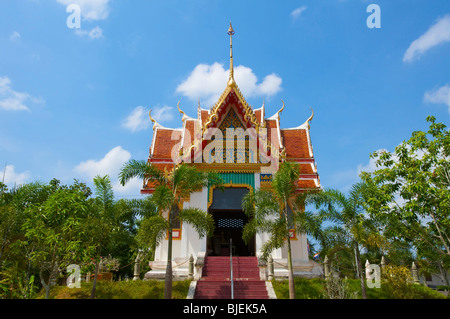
148 289
304 289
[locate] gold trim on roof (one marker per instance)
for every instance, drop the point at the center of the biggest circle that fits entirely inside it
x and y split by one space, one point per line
213 116
310 119
249 114
181 112
152 119
279 112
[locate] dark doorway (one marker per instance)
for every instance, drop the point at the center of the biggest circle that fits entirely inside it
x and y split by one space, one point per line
229 225
229 219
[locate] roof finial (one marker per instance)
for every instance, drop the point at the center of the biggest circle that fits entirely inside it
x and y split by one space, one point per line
231 33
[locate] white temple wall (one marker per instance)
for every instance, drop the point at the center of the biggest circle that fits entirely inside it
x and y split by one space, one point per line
299 249
191 243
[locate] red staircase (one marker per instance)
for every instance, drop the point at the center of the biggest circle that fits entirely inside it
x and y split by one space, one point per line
215 282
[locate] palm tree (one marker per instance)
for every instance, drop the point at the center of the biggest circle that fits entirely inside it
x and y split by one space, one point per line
171 187
103 218
268 212
350 224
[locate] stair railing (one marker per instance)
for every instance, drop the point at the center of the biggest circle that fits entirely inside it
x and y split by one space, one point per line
231 268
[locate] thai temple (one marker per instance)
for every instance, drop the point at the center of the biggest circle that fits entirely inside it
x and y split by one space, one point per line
245 147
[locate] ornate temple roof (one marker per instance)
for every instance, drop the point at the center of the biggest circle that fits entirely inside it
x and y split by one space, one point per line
186 144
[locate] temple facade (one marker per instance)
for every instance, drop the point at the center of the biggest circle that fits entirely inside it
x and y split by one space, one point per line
245 147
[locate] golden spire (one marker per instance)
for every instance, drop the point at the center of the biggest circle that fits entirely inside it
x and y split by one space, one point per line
152 119
231 33
181 112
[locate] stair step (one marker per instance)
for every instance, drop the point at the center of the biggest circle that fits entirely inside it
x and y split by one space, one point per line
215 282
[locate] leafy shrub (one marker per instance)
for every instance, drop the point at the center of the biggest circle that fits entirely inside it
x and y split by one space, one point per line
338 288
442 287
317 289
398 281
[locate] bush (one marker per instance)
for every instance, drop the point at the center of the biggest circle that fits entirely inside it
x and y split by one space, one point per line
441 287
338 288
139 289
351 288
398 281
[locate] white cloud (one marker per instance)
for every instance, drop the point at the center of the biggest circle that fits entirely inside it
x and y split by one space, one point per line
209 81
439 96
131 189
371 166
15 36
92 10
95 33
163 114
139 120
11 100
110 165
297 12
11 177
436 34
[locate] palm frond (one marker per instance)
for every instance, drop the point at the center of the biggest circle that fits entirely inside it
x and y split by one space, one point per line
200 220
277 238
152 231
140 169
163 198
284 180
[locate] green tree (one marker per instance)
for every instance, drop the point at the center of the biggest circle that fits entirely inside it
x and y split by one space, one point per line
15 261
123 244
170 189
413 200
13 205
53 229
350 226
101 221
268 212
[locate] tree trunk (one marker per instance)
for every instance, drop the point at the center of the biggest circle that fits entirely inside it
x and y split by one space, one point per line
360 271
168 278
443 272
44 284
441 237
94 284
97 266
290 270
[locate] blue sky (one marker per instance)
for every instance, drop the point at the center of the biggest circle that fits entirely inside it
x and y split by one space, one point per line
74 101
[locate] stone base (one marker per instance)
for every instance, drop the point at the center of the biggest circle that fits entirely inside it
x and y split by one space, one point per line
180 269
303 269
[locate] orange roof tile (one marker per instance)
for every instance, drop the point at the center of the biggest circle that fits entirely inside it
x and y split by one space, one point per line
296 143
164 141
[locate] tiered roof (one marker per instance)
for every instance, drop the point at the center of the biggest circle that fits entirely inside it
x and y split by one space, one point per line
186 144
